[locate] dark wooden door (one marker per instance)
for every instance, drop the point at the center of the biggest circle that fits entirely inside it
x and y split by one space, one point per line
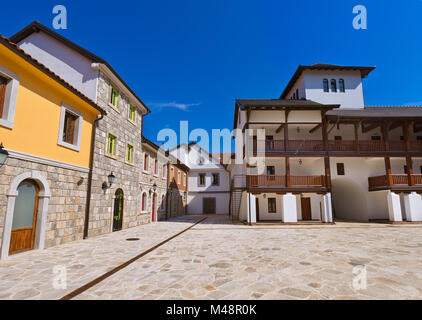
154 200
118 210
257 209
306 209
209 205
24 218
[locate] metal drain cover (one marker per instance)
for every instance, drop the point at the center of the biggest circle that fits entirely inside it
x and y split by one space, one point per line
133 239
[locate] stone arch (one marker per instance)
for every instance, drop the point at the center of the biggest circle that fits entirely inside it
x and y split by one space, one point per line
43 200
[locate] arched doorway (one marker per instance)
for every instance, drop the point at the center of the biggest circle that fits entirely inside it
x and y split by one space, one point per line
118 210
24 221
154 201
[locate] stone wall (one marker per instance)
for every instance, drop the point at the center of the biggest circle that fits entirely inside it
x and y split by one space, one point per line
127 175
66 209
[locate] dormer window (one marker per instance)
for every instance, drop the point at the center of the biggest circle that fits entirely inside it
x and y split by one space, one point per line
333 85
325 85
341 85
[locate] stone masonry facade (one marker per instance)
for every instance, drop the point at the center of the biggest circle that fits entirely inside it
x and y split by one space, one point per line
66 208
128 175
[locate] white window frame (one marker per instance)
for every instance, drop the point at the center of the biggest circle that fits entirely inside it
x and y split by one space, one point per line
10 98
78 129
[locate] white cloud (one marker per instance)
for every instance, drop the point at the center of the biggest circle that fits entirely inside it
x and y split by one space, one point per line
180 106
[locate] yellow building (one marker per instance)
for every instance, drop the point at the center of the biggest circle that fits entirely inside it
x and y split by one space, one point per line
47 129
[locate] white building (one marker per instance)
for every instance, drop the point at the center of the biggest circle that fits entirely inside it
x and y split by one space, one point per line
318 152
209 181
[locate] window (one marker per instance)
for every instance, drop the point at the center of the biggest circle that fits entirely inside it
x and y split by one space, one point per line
405 170
215 179
270 170
184 180
179 177
325 85
297 94
162 202
114 97
70 128
333 85
3 85
376 138
132 113
272 205
341 85
156 167
146 160
171 174
111 144
144 202
340 169
338 138
201 180
164 170
419 138
129 153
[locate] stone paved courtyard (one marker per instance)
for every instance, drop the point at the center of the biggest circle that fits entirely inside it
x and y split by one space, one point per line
219 260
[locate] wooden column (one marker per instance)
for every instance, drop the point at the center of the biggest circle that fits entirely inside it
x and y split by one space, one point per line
287 172
327 172
406 128
385 127
286 137
388 171
409 166
357 125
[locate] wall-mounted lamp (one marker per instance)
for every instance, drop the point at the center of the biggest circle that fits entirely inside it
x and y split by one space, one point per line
298 130
265 196
110 179
3 154
300 162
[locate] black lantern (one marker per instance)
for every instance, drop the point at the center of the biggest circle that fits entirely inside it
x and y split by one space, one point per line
154 187
3 154
111 178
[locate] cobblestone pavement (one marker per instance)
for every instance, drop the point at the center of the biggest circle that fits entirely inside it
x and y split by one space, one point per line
218 260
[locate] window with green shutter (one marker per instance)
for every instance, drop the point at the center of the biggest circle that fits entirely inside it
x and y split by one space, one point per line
132 113
129 153
114 97
111 145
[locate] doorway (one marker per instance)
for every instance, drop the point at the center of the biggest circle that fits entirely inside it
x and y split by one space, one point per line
257 208
306 209
154 201
209 205
118 210
24 218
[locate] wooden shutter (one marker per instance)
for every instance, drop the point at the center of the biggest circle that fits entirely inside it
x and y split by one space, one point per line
3 84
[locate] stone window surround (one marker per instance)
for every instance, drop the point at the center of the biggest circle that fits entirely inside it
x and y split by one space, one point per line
11 98
128 115
158 168
146 201
116 108
148 164
78 129
43 200
111 156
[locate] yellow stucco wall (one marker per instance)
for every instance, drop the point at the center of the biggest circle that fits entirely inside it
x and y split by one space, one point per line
37 116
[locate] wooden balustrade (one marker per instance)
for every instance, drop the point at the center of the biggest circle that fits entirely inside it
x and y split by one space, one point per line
397 180
376 182
280 181
396 146
306 145
343 145
415 146
371 146
418 179
400 179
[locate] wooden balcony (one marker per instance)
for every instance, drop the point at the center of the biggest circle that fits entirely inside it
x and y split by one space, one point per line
280 181
394 180
337 146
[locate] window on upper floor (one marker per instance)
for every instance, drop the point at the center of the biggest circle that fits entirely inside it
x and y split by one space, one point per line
376 138
132 113
70 128
201 179
325 85
341 86
333 85
156 167
179 177
338 138
129 153
146 162
111 144
340 169
9 84
215 179
297 94
185 179
171 173
164 171
114 97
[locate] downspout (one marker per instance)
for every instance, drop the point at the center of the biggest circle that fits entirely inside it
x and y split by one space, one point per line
91 165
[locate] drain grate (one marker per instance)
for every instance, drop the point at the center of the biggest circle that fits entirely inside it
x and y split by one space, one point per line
133 239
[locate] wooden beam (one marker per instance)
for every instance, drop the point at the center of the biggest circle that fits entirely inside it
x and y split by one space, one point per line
327 172
315 128
409 165
279 128
287 172
370 127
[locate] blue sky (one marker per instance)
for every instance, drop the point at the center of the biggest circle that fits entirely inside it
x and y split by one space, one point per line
190 59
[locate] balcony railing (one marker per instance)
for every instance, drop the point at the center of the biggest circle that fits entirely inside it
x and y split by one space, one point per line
396 180
280 181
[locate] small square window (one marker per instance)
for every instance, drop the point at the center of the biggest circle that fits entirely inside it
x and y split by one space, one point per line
340 169
338 138
376 138
111 144
132 113
129 153
272 205
114 97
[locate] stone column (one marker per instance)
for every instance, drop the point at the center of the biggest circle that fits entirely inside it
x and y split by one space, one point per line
413 207
289 208
394 208
327 210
